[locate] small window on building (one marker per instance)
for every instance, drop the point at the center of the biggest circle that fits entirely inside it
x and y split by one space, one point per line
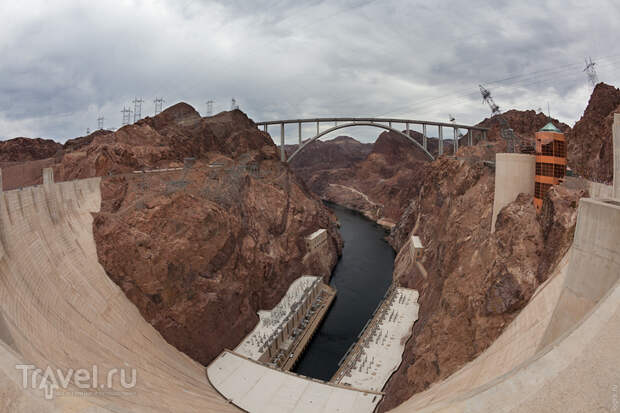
547 169
547 150
559 171
559 149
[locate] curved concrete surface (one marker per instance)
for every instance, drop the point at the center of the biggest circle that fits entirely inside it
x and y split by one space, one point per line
514 174
257 388
59 309
561 354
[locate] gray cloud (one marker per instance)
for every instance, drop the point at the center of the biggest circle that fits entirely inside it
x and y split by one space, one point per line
66 63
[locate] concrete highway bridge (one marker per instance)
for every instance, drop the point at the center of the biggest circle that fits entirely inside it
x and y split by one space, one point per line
60 312
382 123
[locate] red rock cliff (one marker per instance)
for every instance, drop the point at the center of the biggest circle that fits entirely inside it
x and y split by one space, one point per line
590 142
475 282
377 185
200 249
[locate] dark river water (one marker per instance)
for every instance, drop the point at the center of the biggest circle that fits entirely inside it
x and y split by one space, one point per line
362 276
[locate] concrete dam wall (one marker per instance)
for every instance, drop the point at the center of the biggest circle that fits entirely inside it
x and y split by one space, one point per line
59 309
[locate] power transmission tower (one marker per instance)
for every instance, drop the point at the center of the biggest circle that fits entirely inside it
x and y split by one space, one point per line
126 116
453 121
233 104
159 105
100 122
137 109
209 107
591 72
505 131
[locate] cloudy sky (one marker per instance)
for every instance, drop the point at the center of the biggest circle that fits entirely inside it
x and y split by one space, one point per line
65 63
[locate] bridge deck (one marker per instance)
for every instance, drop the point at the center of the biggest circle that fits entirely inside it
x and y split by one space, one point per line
377 120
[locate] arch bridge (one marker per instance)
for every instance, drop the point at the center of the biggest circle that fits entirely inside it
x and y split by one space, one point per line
382 123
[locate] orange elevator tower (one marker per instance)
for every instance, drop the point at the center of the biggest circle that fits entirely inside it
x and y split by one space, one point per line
550 161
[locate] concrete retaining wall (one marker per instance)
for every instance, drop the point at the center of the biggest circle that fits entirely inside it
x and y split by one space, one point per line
598 190
616 143
594 264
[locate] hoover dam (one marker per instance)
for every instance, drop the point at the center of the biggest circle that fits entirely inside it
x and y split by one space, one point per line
60 311
344 206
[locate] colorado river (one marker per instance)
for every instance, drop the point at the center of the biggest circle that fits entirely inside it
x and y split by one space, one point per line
362 276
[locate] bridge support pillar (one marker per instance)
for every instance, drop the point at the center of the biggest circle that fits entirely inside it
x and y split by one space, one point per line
470 137
265 127
424 142
282 151
299 124
456 141
440 140
407 127
317 127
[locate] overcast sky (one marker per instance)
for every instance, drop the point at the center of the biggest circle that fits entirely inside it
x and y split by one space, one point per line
64 63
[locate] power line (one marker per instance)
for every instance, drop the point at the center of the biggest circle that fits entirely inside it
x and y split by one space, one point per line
517 80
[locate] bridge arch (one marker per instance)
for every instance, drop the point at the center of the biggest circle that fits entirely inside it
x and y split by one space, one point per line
351 124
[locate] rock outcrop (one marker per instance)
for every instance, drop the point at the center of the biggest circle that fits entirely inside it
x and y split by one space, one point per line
590 142
378 185
524 123
473 283
26 149
340 152
212 237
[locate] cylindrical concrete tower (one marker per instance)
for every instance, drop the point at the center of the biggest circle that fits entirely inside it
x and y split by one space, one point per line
550 161
514 174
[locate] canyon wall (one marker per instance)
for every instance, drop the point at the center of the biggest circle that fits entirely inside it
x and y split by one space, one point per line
199 246
590 142
473 283
376 181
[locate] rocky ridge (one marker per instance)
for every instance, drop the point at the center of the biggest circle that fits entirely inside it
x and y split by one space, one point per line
377 185
200 247
473 283
590 142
